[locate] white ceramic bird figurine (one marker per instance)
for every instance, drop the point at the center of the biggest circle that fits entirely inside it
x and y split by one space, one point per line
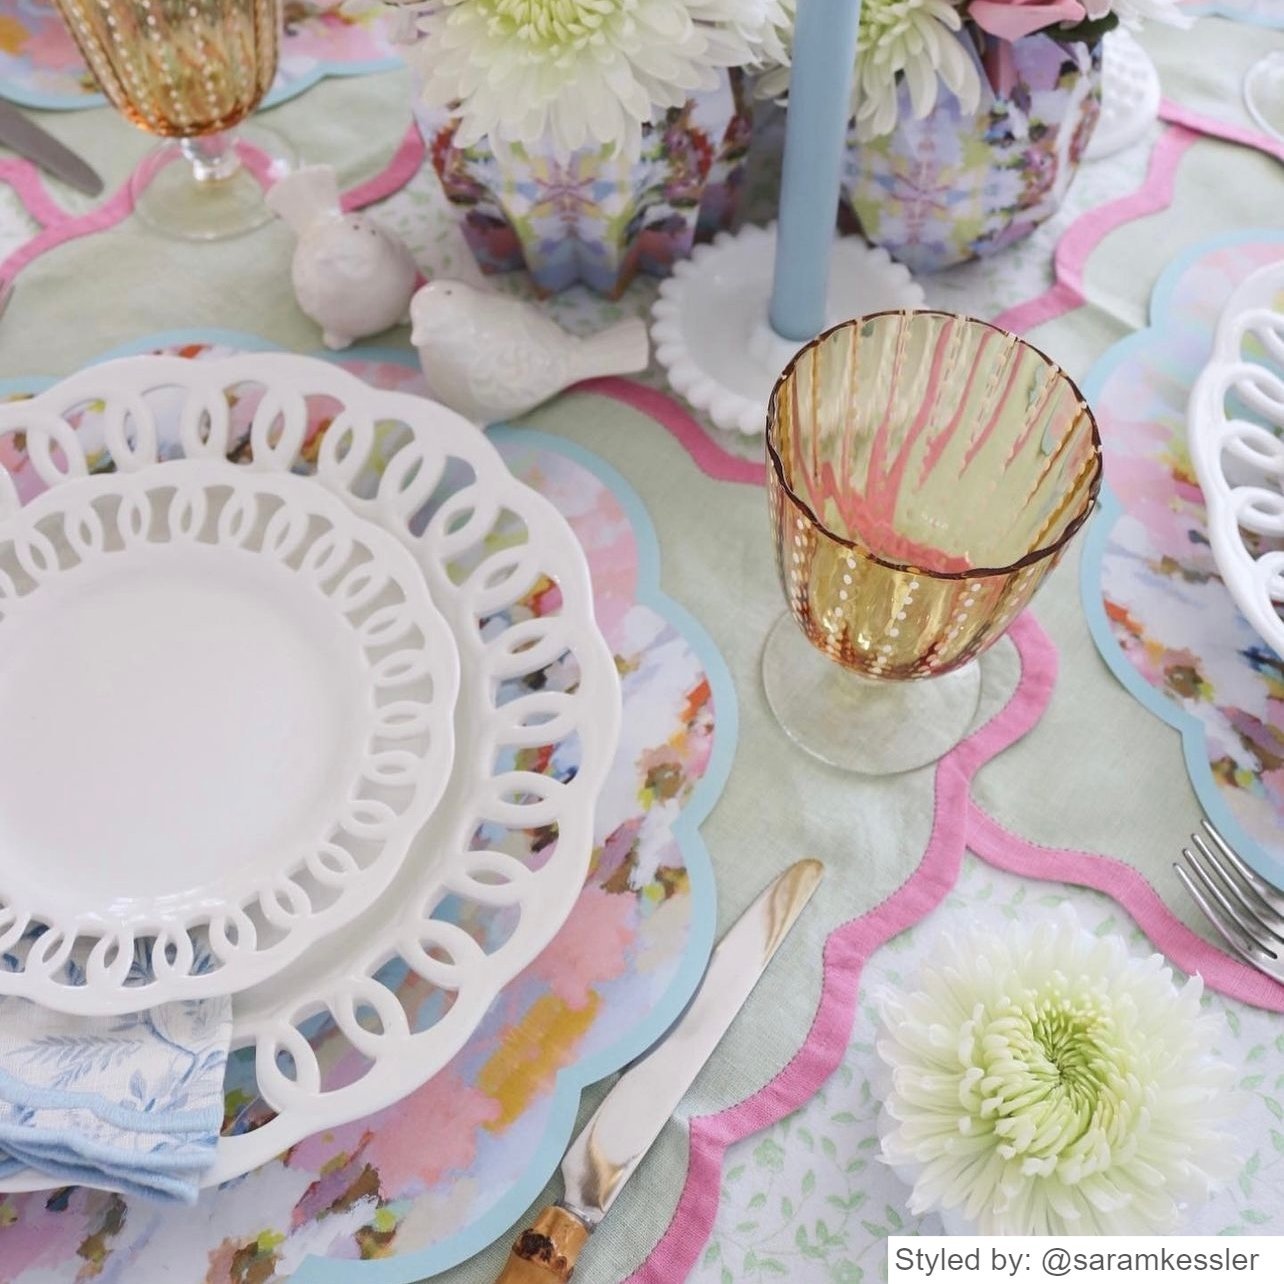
350 276
492 358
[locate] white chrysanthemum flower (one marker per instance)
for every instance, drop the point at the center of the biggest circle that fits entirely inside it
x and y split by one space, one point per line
579 72
1047 1082
913 39
753 30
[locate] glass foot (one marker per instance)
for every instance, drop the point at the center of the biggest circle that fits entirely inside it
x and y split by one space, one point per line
862 724
207 189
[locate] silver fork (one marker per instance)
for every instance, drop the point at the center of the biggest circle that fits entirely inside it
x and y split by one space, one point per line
1246 909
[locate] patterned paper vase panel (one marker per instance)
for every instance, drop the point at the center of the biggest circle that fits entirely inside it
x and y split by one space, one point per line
593 217
957 185
1166 622
40 65
449 1168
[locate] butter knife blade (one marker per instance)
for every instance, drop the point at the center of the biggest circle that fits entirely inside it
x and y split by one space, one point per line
615 1140
21 134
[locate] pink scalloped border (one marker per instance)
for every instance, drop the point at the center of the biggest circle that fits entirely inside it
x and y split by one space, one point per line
1000 847
846 950
957 823
58 226
711 458
25 179
1083 236
1188 118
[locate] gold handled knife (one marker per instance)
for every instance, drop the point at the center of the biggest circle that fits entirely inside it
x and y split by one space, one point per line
613 1142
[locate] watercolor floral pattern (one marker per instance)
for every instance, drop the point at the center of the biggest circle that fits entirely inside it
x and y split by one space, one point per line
629 956
41 67
1166 610
810 1198
954 185
594 217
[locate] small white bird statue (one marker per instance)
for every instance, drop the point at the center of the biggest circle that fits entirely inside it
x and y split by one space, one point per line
350 276
491 357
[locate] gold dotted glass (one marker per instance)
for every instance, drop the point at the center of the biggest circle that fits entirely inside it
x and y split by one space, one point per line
190 70
180 68
926 472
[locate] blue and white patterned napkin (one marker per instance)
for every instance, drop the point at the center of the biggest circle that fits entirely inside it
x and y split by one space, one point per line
131 1102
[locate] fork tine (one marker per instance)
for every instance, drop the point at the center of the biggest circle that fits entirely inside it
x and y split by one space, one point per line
1220 912
1228 931
1252 905
1271 895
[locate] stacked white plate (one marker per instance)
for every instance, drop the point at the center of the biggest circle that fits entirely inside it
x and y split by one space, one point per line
1235 427
272 723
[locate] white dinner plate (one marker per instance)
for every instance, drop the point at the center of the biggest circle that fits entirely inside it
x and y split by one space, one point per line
227 705
374 1010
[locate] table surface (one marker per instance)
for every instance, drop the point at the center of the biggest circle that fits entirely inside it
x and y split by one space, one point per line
1097 773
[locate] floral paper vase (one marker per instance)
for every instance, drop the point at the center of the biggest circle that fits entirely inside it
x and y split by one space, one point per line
594 217
957 184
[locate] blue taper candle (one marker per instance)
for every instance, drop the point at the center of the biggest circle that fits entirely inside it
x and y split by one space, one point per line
820 91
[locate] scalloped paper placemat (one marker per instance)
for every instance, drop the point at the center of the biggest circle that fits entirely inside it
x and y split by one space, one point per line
431 1180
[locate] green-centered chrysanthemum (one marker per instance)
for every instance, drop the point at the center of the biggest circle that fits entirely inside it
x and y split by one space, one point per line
579 72
901 41
1047 1082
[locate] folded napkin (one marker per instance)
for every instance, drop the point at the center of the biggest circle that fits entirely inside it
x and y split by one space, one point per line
133 1102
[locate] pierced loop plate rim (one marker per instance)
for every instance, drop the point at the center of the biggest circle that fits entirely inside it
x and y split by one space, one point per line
75 508
1252 579
267 1016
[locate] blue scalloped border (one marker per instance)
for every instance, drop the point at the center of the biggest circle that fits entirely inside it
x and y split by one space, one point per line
1193 738
15 93
573 1079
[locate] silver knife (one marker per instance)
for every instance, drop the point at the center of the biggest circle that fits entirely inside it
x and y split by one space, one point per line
613 1142
24 136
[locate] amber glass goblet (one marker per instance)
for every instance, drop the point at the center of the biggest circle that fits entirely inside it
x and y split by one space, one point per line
190 70
925 473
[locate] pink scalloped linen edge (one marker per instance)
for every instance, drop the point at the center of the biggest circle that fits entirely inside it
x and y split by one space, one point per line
1087 232
24 178
59 227
1186 118
708 456
1000 847
404 165
846 951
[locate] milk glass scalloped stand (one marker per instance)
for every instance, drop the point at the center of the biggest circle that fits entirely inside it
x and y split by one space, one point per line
925 473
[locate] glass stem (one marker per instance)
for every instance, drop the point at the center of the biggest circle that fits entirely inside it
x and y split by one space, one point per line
212 157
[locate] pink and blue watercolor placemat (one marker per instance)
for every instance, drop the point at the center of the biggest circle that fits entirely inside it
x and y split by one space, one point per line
430 1181
1159 613
41 67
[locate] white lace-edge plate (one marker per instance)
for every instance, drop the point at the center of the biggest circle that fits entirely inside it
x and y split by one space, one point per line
1240 461
228 708
496 870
